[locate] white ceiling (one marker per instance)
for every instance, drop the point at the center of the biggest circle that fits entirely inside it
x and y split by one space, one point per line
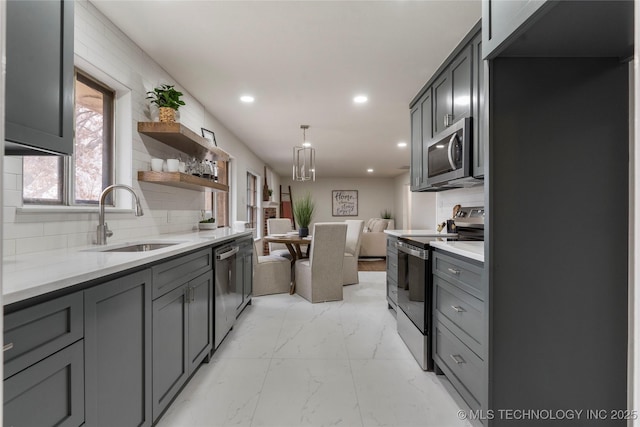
304 61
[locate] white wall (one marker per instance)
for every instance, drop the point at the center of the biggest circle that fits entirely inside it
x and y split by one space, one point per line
374 195
467 197
103 48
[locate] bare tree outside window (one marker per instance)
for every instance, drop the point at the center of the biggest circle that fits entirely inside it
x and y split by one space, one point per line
46 179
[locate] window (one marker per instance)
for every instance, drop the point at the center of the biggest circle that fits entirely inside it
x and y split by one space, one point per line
218 202
79 179
252 200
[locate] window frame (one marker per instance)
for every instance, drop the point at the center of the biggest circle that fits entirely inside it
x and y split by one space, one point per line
67 164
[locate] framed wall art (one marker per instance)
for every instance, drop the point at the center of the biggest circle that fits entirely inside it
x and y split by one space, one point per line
344 202
209 136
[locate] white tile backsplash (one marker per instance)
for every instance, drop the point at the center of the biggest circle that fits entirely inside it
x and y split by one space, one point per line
446 200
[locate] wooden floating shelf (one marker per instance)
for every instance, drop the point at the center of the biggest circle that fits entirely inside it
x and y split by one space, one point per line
184 139
181 180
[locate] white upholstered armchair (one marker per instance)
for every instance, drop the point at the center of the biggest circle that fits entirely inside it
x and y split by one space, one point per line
319 278
352 251
279 226
271 274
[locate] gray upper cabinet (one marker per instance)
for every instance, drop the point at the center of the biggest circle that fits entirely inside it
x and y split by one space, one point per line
452 92
118 351
478 102
506 20
416 147
39 78
421 133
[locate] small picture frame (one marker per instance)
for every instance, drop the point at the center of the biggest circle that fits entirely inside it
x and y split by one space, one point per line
209 136
344 202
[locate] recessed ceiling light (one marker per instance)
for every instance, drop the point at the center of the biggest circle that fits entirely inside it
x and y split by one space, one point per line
402 144
306 144
360 99
247 98
370 170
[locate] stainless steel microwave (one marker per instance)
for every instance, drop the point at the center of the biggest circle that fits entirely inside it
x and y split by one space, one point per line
449 156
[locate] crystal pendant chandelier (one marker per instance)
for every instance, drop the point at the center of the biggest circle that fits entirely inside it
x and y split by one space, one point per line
304 159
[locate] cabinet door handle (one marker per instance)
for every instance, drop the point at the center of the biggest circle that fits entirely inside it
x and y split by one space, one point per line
7 347
457 358
192 293
458 309
448 120
453 271
187 294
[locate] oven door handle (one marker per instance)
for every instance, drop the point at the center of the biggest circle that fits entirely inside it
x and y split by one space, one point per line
410 251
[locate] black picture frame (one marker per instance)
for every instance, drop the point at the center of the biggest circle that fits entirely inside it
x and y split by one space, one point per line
209 136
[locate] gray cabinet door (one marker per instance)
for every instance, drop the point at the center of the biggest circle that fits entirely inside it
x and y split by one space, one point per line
479 123
503 20
49 393
200 323
452 92
461 83
118 351
442 106
416 146
426 107
39 77
170 367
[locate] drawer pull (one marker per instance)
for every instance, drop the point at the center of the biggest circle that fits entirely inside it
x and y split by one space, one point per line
453 271
7 346
457 358
458 309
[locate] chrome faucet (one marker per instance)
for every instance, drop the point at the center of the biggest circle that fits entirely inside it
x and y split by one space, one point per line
103 229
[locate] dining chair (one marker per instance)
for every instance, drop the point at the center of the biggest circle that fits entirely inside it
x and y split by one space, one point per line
319 277
352 251
279 226
271 273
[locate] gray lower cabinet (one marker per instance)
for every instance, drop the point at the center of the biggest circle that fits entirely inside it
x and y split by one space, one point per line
182 337
117 318
44 363
244 271
49 393
39 77
392 272
460 326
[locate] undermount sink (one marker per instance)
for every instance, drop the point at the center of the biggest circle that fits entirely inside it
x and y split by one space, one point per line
141 247
137 247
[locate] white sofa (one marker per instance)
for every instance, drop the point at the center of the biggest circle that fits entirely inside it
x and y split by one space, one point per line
374 240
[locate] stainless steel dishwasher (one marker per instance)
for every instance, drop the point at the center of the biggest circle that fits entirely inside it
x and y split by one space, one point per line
226 298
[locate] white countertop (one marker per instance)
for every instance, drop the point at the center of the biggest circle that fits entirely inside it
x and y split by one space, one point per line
31 275
473 250
419 233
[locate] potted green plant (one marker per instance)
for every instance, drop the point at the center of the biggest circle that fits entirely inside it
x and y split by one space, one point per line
167 98
385 214
303 212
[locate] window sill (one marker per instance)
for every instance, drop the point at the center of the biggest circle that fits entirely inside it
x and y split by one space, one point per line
41 209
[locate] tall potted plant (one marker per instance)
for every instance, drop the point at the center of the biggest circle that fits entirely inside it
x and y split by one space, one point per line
167 98
303 212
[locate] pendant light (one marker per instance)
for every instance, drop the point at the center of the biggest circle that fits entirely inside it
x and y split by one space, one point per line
304 159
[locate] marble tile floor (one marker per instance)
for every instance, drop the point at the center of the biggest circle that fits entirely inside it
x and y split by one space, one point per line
291 363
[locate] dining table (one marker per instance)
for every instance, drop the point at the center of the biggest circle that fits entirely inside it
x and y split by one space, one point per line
293 242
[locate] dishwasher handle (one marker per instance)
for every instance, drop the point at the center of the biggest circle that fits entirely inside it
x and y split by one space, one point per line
228 254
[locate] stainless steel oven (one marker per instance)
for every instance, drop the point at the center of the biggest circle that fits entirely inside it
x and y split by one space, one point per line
414 297
415 283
